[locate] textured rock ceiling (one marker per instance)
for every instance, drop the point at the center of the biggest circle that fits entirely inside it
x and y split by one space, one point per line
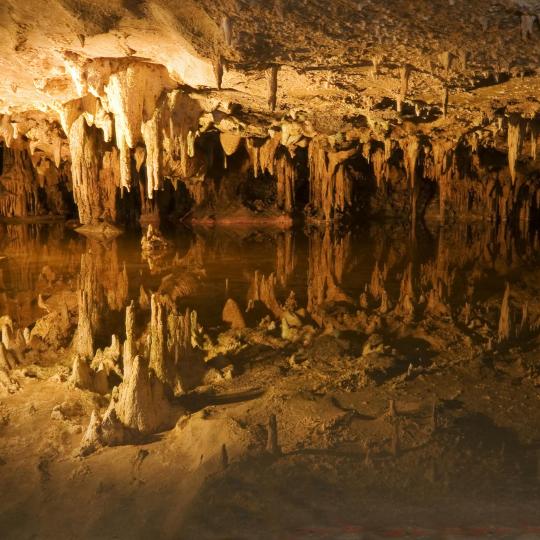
326 51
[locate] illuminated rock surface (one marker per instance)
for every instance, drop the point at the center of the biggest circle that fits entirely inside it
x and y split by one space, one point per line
304 297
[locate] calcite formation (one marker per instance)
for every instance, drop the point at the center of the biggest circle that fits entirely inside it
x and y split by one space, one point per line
120 121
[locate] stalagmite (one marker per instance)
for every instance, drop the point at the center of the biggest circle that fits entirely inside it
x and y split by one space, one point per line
141 403
81 374
272 82
446 59
129 350
92 438
83 341
263 290
376 61
218 71
174 352
272 446
515 143
232 315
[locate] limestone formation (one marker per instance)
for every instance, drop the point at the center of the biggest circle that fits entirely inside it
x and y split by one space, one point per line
232 315
174 353
263 290
272 82
130 346
141 403
505 321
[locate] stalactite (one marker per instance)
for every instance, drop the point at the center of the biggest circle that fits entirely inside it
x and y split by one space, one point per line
285 172
85 170
262 153
152 136
132 93
534 140
7 133
330 187
227 29
515 143
230 142
411 152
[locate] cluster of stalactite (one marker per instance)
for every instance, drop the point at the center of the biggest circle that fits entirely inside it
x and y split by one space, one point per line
32 185
133 129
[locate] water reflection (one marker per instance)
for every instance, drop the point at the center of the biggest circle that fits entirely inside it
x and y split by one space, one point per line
402 368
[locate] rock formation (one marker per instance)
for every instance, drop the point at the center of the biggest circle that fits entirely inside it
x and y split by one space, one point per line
173 346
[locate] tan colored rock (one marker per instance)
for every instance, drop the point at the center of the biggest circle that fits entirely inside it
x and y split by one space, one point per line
232 315
81 374
141 401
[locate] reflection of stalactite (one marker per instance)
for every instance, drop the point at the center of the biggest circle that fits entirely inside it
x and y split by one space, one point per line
515 143
263 289
407 297
285 257
328 255
103 287
505 323
91 304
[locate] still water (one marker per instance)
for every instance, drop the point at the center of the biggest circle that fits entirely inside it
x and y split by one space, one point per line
441 322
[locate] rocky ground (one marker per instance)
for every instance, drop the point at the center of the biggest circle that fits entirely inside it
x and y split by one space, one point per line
362 418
